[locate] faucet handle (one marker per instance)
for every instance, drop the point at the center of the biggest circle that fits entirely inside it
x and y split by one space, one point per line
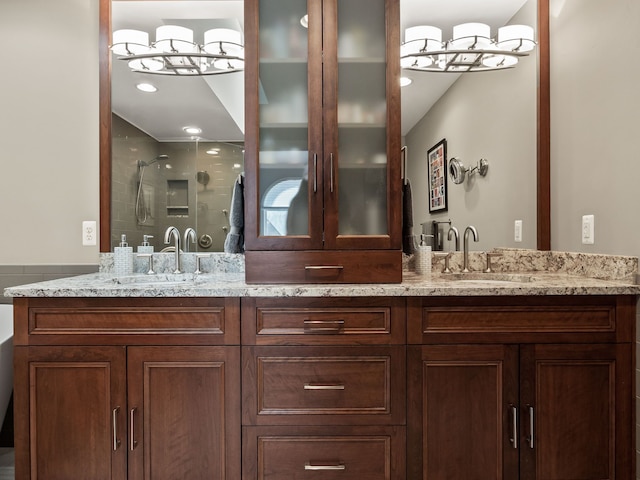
446 257
199 258
149 257
490 255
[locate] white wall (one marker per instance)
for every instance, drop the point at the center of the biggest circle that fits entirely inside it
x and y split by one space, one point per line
489 115
595 124
48 130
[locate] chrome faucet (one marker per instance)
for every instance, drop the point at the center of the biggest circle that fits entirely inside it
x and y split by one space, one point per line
454 231
465 264
189 234
173 232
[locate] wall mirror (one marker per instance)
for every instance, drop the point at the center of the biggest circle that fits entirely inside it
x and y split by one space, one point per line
222 121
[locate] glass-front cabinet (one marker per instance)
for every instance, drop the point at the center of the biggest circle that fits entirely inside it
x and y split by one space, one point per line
322 155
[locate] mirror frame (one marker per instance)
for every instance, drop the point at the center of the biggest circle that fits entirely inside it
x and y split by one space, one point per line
543 174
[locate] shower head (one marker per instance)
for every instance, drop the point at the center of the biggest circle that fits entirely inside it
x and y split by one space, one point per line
142 163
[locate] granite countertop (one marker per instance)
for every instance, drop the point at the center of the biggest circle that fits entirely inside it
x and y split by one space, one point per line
518 272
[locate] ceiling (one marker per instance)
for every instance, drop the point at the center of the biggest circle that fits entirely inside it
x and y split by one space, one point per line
215 102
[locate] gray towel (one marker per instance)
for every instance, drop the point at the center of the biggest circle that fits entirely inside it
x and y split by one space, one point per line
234 243
407 218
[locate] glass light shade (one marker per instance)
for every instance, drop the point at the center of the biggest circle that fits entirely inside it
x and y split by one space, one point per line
231 42
467 35
516 38
130 42
150 64
432 35
170 38
499 61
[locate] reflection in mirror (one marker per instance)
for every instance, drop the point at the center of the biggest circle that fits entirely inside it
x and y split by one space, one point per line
177 142
488 115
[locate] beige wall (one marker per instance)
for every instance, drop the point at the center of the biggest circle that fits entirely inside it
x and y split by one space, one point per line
48 130
489 115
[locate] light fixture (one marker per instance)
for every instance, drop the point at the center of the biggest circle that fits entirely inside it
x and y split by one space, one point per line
404 81
213 151
470 50
146 87
175 53
192 130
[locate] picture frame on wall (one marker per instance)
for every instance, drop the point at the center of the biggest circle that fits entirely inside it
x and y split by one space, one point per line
437 171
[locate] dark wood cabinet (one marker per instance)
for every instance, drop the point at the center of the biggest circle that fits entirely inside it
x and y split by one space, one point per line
322 162
529 388
127 407
521 408
324 390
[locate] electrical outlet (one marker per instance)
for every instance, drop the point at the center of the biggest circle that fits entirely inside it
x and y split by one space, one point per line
517 231
588 230
89 233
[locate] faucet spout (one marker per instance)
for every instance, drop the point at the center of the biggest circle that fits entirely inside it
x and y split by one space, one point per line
454 231
189 235
465 258
168 234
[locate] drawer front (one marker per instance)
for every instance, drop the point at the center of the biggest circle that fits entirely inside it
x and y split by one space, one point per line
364 453
118 321
311 385
517 320
323 321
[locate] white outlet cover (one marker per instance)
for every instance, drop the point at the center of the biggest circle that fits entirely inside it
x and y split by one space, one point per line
588 230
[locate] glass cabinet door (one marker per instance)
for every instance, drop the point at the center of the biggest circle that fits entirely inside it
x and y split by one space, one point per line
288 146
357 137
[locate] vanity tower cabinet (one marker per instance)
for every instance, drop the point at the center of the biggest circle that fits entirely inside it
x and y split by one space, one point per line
127 389
522 388
322 148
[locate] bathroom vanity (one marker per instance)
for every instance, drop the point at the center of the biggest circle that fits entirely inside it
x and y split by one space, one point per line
503 377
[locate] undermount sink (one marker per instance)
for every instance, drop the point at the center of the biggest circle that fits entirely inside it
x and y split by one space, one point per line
492 277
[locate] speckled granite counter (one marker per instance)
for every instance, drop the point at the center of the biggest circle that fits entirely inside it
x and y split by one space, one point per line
517 272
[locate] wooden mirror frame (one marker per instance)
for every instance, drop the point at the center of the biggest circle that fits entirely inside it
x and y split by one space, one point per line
543 187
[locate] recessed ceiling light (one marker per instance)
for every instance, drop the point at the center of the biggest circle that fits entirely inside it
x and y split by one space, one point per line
146 87
192 130
404 81
304 21
213 151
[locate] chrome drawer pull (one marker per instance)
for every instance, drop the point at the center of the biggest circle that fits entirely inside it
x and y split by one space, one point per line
114 418
514 427
323 326
340 466
133 443
323 267
323 386
531 426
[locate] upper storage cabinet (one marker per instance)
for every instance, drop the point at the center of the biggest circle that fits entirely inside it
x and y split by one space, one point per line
322 157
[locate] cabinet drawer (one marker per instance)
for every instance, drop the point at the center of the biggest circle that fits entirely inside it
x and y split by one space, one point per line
312 385
520 320
323 321
371 453
117 321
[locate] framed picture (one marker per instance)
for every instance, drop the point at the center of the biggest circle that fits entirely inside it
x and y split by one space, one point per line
437 162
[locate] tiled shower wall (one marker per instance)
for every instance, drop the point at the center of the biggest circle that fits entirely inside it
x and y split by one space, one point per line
12 275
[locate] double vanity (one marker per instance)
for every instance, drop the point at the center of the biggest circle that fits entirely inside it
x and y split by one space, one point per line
526 372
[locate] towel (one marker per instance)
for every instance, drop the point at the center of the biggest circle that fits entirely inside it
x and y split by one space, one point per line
407 218
234 242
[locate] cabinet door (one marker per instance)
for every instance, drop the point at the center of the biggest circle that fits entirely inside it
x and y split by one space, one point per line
462 403
184 413
361 136
577 402
70 407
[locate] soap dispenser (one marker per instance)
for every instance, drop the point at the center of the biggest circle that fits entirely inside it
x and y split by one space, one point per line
146 247
123 257
423 256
